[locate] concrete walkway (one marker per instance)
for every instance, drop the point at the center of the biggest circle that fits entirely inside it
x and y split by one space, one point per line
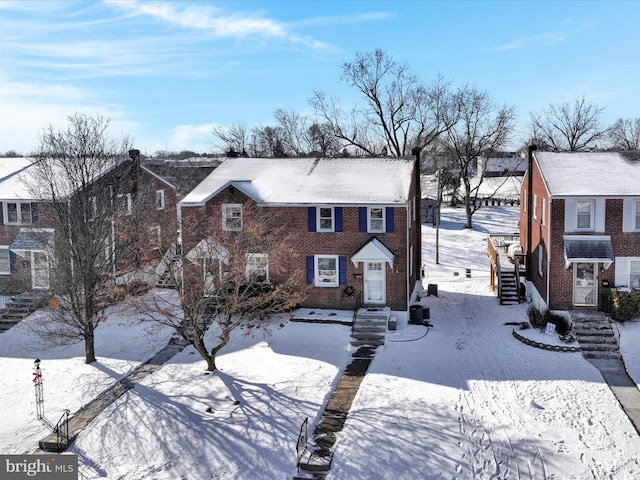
80 419
622 386
316 460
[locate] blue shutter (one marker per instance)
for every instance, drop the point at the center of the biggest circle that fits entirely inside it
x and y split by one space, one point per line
338 214
310 269
342 270
389 215
34 213
362 219
12 261
311 218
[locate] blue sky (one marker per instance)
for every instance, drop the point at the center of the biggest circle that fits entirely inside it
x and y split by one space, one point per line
166 72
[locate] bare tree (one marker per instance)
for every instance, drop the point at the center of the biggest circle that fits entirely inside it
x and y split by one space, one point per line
569 126
234 137
323 140
83 179
223 283
399 111
295 130
482 128
624 134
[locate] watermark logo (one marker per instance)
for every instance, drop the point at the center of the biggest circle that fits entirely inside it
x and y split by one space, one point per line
39 467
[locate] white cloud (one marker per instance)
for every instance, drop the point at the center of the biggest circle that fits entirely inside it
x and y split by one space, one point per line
543 40
29 107
216 22
198 138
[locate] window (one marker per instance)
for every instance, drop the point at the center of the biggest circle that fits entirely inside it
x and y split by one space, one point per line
637 223
325 219
535 206
17 213
5 261
232 217
634 273
124 204
257 267
375 219
584 209
159 199
326 270
543 210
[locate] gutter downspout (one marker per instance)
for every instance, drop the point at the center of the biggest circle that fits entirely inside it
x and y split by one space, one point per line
417 212
531 149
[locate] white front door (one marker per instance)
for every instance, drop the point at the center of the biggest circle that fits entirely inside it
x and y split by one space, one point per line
374 283
39 270
585 285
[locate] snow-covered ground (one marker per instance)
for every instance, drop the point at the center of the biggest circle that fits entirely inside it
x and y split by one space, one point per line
463 399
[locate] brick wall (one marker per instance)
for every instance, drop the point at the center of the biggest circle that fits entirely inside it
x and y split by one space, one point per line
345 243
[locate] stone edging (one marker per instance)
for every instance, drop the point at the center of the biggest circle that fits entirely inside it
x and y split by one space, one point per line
552 348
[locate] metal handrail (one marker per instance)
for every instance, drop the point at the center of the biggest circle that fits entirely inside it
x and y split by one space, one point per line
301 445
62 432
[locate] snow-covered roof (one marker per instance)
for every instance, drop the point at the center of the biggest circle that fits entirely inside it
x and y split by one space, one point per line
310 180
12 185
10 166
608 174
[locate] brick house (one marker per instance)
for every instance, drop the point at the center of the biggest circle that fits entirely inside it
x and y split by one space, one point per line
27 236
355 220
580 226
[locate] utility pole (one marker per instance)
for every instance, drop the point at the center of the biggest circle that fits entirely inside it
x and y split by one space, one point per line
438 202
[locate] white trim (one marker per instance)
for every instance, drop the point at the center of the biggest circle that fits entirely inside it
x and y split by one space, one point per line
225 217
160 205
318 281
383 229
320 218
592 208
252 266
367 280
5 212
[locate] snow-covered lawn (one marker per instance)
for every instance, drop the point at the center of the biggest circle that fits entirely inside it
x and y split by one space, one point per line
465 401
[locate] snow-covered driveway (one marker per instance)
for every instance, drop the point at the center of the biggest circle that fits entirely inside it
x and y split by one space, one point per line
469 401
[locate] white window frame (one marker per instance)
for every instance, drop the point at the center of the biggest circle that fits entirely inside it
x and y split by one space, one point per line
127 196
636 203
320 218
634 270
370 219
19 213
592 213
256 263
524 200
159 199
5 248
231 222
320 280
543 210
535 206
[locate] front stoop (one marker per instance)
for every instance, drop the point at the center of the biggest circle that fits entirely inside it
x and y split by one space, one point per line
594 333
370 327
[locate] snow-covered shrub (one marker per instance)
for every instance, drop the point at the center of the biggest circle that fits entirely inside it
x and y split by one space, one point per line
536 317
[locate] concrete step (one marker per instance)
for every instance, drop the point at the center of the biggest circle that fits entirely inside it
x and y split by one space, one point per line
598 346
599 339
602 355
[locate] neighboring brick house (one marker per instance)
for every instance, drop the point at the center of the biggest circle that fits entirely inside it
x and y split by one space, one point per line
27 236
355 222
580 226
